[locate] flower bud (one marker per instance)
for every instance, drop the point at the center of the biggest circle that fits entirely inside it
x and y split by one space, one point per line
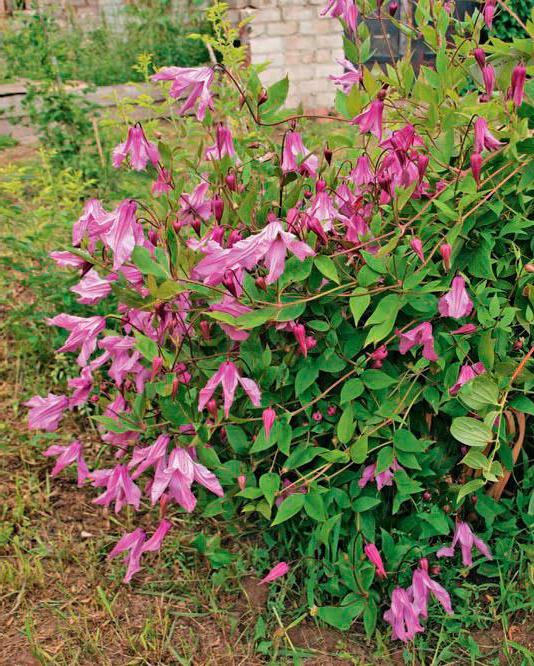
427 495
480 57
242 481
175 384
382 93
308 194
518 344
231 182
446 250
474 500
195 223
157 364
476 166
529 268
263 97
234 237
392 8
212 407
447 508
320 186
261 284
435 570
417 247
205 330
328 154
217 207
153 236
331 410
317 416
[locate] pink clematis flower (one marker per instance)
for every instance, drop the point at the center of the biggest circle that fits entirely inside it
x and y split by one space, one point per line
46 413
148 456
465 329
371 120
343 9
362 174
162 184
475 162
196 80
93 222
277 571
403 616
268 417
66 455
466 374
488 76
489 12
516 91
224 144
446 251
83 333
420 335
136 544
296 157
67 259
124 233
270 245
138 147
417 247
378 356
195 207
92 288
82 385
177 477
119 488
464 536
483 137
351 77
456 303
228 376
382 479
371 551
231 306
423 586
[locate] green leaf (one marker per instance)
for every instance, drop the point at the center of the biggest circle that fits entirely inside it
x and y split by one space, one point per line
358 451
306 376
269 484
480 392
377 380
361 504
358 304
327 267
289 507
340 617
353 388
142 258
404 440
470 431
384 459
475 459
523 404
276 96
314 506
345 425
470 487
238 439
147 346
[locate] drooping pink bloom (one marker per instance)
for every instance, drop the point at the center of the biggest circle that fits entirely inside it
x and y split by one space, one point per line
93 222
196 80
124 233
351 77
82 386
466 374
480 57
242 481
456 302
136 543
299 331
489 12
277 571
362 174
119 488
488 76
148 456
268 417
375 558
402 616
138 147
516 91
464 536
379 356
465 329
417 247
83 333
296 157
177 477
270 245
162 184
420 335
92 288
371 120
195 207
446 251
382 479
343 9
224 144
66 455
67 259
231 306
476 166
483 137
423 586
228 376
46 413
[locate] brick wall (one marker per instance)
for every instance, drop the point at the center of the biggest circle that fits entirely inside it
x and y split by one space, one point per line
296 41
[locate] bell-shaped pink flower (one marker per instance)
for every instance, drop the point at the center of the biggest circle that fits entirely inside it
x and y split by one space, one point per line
446 251
343 9
119 488
465 329
483 137
66 259
136 544
296 157
466 374
277 571
488 76
66 455
82 385
351 77
228 376
46 413
194 81
423 587
371 551
162 184
231 306
138 147
456 302
362 174
420 335
489 12
84 332
464 536
124 233
403 616
516 91
148 456
268 417
224 144
417 247
382 479
371 120
476 166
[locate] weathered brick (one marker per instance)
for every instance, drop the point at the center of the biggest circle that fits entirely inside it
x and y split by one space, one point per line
282 28
293 13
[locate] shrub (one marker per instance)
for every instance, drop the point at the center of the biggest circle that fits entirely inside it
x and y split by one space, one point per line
321 326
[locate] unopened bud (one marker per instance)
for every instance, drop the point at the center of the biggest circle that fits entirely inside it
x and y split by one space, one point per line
261 284
157 364
446 250
328 154
382 93
529 268
480 57
263 96
212 407
205 330
308 194
242 481
392 8
435 570
175 385
231 182
217 207
153 236
427 495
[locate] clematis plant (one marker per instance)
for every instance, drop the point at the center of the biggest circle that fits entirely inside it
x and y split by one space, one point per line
312 320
